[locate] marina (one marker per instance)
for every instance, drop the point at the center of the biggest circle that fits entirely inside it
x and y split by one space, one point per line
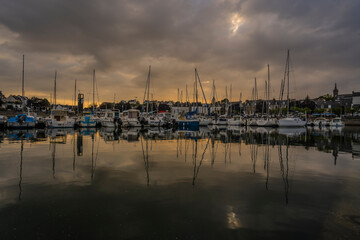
194 120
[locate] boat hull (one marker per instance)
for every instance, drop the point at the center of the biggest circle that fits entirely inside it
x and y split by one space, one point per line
61 124
205 122
107 124
188 125
23 125
235 122
267 123
87 122
21 121
291 122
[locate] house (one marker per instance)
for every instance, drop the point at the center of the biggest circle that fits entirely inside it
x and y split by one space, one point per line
181 109
2 97
356 99
2 100
345 100
327 104
15 102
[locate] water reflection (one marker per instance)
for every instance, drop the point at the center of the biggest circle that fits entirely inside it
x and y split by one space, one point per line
250 178
21 165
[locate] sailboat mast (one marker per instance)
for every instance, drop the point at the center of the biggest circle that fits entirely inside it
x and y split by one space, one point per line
256 91
55 90
114 101
23 77
288 81
75 95
231 110
213 92
240 103
196 91
268 95
255 96
202 90
23 83
94 89
148 89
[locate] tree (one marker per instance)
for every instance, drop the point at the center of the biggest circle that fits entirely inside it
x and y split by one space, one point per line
307 103
38 102
106 105
337 110
319 110
327 97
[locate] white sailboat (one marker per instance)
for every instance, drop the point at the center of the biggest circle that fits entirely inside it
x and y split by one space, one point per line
204 120
251 122
221 120
321 122
336 122
236 121
267 122
290 121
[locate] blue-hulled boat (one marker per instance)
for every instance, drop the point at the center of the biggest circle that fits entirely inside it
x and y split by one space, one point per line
189 122
21 121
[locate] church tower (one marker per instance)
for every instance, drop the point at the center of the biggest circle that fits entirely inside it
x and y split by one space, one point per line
335 91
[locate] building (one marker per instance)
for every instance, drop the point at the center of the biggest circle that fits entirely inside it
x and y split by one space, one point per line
335 91
15 102
355 99
322 104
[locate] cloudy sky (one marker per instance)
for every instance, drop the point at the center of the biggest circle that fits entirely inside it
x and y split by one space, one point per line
229 41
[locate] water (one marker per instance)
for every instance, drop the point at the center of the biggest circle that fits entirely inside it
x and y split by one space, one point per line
231 183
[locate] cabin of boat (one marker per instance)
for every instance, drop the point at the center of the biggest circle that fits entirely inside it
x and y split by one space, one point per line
59 115
133 113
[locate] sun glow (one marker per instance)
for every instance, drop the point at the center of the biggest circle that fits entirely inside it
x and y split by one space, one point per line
236 22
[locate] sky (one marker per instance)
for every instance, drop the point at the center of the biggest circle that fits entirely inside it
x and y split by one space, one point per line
229 41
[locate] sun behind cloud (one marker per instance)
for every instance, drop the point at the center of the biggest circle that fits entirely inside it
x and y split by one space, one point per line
236 22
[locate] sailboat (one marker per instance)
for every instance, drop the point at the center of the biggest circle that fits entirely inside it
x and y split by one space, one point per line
267 122
289 121
22 121
189 121
236 121
59 117
251 120
149 117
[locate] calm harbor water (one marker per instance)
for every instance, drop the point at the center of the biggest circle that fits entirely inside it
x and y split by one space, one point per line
232 183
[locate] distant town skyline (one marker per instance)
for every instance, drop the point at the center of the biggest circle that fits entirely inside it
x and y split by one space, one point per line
229 41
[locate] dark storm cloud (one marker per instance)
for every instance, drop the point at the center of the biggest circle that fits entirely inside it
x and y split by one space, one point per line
121 38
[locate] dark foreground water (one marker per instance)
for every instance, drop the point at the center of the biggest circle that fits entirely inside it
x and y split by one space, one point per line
233 183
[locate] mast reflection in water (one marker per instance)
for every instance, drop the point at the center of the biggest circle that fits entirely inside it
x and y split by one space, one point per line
164 184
